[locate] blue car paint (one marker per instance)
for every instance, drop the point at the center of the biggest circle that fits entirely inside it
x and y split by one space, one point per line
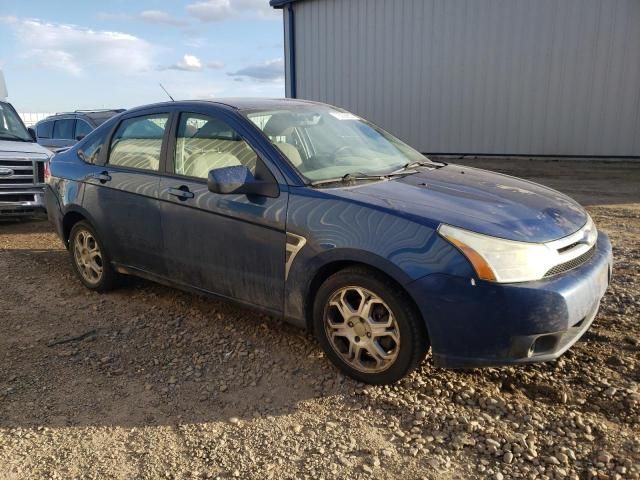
484 202
485 320
388 225
346 230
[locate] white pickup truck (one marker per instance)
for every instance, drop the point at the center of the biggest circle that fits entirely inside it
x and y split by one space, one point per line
22 163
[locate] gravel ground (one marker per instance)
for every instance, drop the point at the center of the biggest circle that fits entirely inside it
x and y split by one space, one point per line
150 382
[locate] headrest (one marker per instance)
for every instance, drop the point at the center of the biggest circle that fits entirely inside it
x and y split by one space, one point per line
216 130
279 124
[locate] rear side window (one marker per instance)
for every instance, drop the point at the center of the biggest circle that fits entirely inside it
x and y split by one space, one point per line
90 150
138 142
44 130
82 129
63 129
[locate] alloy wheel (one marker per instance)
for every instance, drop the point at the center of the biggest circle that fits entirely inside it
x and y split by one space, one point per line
88 256
362 329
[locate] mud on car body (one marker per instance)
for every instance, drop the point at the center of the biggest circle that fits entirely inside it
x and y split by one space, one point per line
307 211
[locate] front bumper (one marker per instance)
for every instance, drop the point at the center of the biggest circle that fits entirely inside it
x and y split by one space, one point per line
477 323
30 202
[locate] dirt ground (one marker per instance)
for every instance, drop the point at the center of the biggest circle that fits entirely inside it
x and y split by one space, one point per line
150 382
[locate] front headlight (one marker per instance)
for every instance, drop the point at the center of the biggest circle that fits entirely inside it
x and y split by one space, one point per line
499 260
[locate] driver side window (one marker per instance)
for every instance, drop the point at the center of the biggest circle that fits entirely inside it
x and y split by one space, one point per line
205 143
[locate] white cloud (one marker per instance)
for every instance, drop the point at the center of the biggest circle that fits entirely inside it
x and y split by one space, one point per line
75 49
191 63
269 71
259 7
8 19
157 17
55 59
211 10
218 10
160 17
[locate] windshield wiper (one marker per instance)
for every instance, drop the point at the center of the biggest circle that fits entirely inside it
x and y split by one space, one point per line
350 178
354 177
419 163
9 135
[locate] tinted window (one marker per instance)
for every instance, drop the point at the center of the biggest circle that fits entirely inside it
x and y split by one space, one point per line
90 149
44 130
205 143
138 141
63 129
82 129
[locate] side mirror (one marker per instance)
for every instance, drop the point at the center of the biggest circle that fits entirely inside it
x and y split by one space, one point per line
239 180
80 137
32 132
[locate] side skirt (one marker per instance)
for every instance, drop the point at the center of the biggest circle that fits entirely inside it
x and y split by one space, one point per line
136 272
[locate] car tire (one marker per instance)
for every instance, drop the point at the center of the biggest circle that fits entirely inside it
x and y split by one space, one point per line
384 336
89 258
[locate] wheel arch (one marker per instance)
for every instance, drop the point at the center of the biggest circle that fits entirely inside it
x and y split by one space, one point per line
68 221
73 216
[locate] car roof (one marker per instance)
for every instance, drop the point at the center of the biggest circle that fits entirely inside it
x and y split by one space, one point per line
239 103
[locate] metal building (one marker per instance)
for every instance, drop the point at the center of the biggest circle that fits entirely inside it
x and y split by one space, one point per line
508 77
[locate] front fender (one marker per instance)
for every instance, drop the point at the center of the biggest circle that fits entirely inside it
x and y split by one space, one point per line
339 230
403 259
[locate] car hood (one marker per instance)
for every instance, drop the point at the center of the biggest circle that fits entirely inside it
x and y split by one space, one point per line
478 200
8 147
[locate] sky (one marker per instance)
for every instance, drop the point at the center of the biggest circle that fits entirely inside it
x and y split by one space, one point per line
64 55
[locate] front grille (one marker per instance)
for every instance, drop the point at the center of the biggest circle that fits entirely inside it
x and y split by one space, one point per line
16 180
17 197
571 264
25 172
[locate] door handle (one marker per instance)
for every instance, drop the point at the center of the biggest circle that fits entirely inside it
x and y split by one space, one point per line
103 177
182 192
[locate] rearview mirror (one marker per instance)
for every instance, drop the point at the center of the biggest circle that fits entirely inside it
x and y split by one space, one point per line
80 137
32 133
239 180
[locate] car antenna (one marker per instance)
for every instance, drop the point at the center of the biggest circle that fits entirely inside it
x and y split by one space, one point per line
165 91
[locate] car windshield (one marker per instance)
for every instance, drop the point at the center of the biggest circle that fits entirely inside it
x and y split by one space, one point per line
324 143
11 126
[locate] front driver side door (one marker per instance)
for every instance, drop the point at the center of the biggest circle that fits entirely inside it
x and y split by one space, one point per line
231 245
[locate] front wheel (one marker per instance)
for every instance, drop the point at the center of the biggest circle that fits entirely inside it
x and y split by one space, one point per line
368 327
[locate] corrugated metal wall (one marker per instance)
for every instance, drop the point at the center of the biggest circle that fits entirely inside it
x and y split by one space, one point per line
547 77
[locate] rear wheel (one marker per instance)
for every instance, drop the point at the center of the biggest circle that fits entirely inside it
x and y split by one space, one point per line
368 327
90 260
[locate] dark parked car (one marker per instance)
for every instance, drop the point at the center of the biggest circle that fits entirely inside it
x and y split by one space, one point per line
306 211
63 130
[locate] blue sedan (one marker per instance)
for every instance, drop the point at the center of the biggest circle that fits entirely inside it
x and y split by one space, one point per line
309 212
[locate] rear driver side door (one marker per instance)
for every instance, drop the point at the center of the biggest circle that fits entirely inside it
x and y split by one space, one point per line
231 245
122 193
